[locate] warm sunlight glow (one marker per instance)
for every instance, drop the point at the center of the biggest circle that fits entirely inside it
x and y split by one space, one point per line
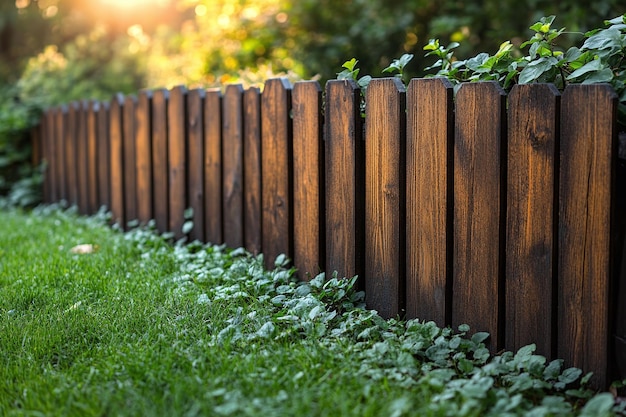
128 4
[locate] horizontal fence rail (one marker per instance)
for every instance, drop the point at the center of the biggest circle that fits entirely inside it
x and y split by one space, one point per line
483 208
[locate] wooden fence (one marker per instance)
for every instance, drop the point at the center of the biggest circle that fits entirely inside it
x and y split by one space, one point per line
485 209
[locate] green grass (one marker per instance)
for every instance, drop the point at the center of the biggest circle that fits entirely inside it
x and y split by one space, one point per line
142 327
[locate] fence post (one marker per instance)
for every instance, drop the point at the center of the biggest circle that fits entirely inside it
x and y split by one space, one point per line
143 156
531 213
385 209
478 209
213 167
71 156
232 166
116 131
93 161
429 174
82 158
195 158
160 181
60 124
586 194
277 168
104 160
345 194
48 144
308 179
252 170
177 158
130 158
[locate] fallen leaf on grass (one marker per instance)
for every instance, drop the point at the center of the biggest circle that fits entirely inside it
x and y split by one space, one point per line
84 249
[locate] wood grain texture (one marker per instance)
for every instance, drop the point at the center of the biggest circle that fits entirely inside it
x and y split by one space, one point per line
252 170
213 167
71 155
232 166
104 163
177 159
143 156
588 156
429 174
82 158
48 143
344 153
308 179
130 158
60 125
160 170
92 156
532 138
478 225
116 131
195 158
385 210
276 166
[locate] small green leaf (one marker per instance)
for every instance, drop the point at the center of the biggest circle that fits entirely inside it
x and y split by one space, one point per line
594 65
480 337
598 406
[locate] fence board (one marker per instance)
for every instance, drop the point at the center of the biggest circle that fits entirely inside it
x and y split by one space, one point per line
429 175
276 166
252 170
344 179
195 158
532 140
385 189
232 166
308 179
213 167
588 146
143 156
477 273
92 156
160 181
177 154
48 146
116 130
104 163
71 141
60 125
130 158
82 183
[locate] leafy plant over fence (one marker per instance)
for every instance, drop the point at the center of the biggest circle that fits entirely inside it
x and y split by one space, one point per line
600 59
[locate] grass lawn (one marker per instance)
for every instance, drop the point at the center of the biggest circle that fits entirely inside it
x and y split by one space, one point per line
142 327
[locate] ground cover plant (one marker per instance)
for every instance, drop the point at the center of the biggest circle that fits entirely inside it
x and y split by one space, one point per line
96 322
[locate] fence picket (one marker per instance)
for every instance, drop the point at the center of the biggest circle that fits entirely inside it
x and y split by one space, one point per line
477 273
532 140
252 170
276 167
345 200
130 158
104 163
213 167
177 159
82 183
195 158
308 182
232 166
60 125
92 156
143 156
71 140
48 143
385 189
586 193
116 129
160 182
430 140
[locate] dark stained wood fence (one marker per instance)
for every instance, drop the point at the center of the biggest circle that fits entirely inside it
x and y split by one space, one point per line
483 208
